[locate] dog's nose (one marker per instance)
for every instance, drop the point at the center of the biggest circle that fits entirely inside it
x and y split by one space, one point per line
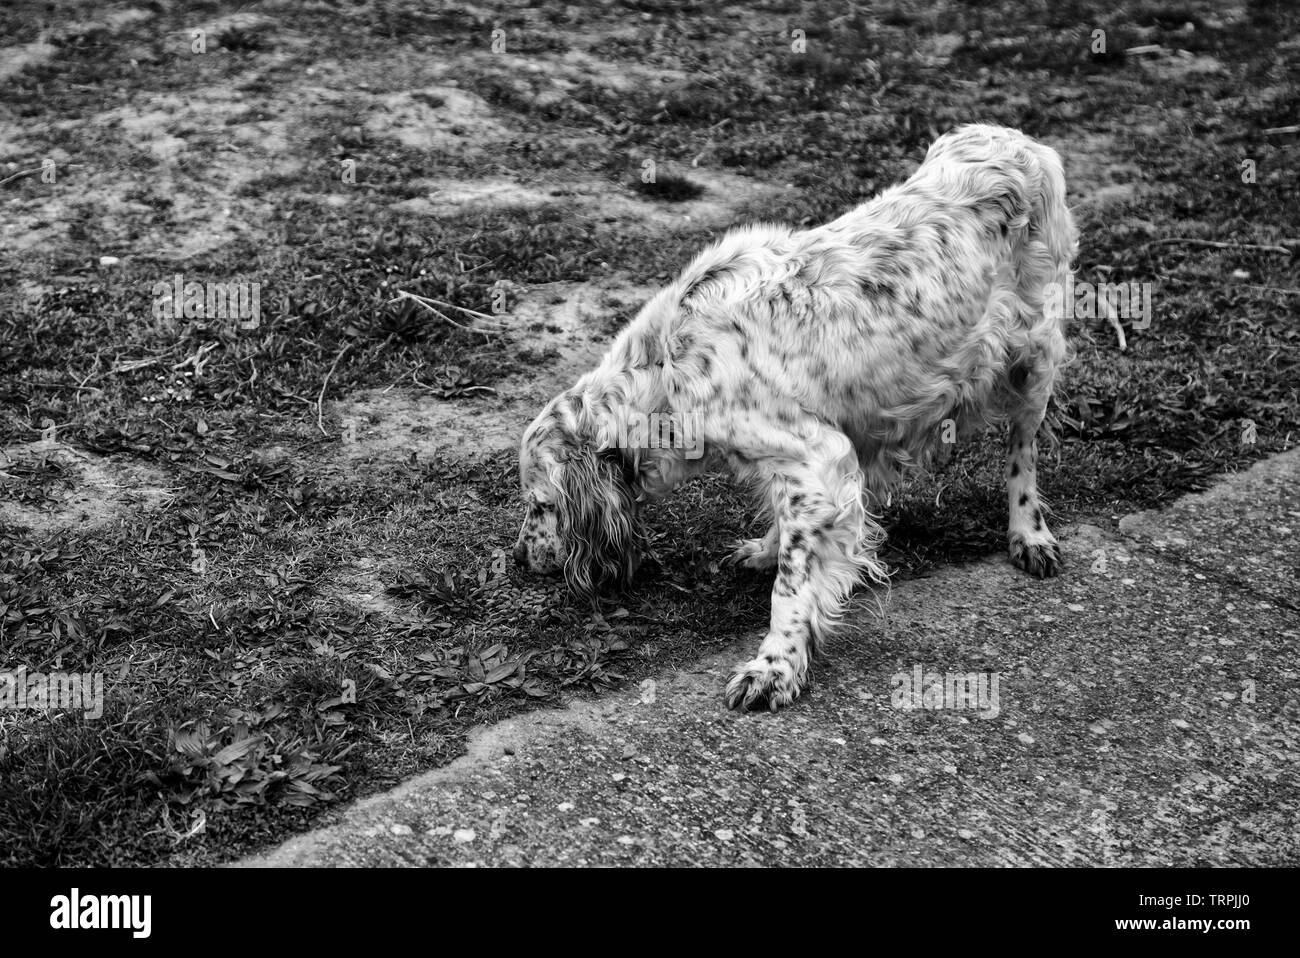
521 555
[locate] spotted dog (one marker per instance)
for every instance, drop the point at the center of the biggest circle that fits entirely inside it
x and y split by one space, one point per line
820 364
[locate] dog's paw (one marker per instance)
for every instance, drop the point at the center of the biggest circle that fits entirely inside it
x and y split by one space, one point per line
754 554
769 681
1042 560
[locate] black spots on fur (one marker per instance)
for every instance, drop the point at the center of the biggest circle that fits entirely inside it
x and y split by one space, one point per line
1024 498
878 290
796 500
888 251
1038 519
706 364
575 405
649 346
1015 469
743 336
554 421
1017 377
714 273
770 659
797 540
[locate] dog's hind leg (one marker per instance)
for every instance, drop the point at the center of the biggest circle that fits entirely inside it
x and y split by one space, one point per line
1032 546
826 541
758 553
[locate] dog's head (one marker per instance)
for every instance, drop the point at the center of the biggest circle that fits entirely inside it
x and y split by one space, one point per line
581 503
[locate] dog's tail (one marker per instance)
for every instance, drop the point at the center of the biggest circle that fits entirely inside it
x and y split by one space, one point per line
1051 242
1053 238
1018 186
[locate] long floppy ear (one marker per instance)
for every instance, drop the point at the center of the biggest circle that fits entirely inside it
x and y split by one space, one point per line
598 521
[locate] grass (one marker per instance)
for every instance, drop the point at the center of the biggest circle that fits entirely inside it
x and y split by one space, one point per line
236 623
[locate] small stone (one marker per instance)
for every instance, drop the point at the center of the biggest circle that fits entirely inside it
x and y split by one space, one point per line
564 807
965 833
463 836
1025 738
1179 723
401 829
1074 607
895 778
725 834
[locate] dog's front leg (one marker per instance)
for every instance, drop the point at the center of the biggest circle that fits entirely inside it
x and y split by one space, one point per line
826 541
1031 544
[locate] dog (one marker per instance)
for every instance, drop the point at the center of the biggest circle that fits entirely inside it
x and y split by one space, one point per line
821 364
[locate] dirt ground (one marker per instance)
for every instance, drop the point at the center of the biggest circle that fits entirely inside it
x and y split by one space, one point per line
236 517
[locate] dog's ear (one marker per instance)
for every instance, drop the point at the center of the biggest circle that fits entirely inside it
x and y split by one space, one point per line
598 521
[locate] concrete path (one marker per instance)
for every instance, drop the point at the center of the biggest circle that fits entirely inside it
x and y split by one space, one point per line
1147 713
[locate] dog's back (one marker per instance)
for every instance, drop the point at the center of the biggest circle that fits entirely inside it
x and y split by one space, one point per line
910 309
